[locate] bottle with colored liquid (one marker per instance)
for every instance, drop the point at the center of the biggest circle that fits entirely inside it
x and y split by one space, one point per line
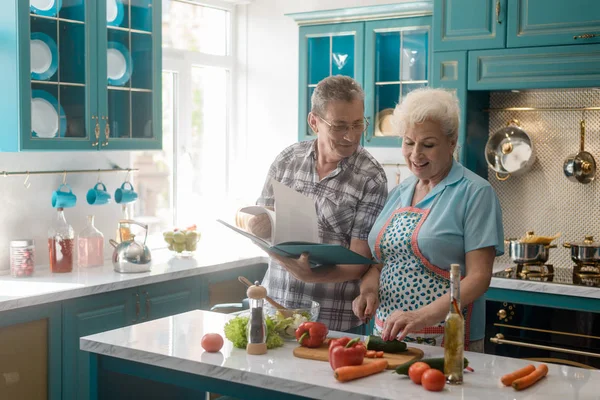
454 332
90 245
61 240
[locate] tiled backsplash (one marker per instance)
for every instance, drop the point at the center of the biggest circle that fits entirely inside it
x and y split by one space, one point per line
543 199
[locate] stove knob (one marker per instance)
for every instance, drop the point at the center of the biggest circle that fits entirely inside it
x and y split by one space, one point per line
502 314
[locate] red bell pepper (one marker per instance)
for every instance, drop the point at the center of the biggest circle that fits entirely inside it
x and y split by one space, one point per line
311 334
345 351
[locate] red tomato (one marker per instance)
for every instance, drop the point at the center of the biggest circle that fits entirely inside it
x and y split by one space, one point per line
212 342
433 380
415 371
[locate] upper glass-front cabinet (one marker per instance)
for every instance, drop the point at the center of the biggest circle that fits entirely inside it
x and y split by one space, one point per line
327 50
397 54
83 73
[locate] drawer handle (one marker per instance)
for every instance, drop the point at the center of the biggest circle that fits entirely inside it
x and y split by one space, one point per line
147 304
137 307
96 131
499 339
586 36
498 9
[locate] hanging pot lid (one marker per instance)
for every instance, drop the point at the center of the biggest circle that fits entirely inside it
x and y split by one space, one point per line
588 241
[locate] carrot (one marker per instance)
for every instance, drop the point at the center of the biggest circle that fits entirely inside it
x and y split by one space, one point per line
348 373
508 379
379 354
526 381
370 354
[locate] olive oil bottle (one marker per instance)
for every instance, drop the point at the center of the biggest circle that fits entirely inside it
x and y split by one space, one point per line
454 332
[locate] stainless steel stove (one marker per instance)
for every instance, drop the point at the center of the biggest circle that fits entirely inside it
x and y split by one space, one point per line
580 274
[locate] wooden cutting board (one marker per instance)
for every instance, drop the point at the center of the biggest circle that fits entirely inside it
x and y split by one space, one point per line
394 360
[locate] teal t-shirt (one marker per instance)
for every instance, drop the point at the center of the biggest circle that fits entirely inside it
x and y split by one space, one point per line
465 215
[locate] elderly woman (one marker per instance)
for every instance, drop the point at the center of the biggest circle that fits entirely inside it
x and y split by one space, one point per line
442 215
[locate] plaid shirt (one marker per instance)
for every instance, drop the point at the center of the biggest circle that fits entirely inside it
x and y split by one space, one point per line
348 201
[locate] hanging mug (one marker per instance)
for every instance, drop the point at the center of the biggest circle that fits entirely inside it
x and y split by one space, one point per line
62 199
124 194
98 195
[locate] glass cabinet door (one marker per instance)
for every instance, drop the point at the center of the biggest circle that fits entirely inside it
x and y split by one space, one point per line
129 74
327 50
61 96
397 54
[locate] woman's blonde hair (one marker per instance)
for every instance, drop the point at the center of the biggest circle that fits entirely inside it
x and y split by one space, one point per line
428 104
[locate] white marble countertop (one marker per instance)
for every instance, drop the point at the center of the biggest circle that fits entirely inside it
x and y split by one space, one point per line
174 343
216 253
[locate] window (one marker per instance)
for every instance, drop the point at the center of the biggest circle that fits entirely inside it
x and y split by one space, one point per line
187 182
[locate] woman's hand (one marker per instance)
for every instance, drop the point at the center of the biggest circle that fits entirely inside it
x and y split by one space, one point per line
298 267
401 323
365 304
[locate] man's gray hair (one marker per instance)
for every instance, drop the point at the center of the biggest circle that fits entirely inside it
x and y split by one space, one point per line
335 88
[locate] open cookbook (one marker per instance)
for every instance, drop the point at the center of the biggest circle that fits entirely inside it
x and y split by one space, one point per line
294 230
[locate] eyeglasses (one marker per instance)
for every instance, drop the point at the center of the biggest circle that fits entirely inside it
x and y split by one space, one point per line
358 128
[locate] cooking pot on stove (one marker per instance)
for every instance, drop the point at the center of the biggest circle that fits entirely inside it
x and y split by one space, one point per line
587 252
528 253
509 151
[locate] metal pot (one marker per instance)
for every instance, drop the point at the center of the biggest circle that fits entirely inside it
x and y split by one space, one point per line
580 167
130 256
509 151
586 252
528 253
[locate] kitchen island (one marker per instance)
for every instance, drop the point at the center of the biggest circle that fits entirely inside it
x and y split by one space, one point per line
165 355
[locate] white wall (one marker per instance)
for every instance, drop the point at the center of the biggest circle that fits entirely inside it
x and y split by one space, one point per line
268 41
27 213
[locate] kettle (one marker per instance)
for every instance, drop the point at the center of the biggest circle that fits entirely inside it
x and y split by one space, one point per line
130 256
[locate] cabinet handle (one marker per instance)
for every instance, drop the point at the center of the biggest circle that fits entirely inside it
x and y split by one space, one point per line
96 130
499 339
137 307
366 133
148 304
586 36
498 9
106 131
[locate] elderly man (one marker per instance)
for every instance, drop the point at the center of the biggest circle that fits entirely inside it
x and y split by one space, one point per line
349 188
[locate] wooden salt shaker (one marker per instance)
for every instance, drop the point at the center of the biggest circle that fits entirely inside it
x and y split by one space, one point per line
257 327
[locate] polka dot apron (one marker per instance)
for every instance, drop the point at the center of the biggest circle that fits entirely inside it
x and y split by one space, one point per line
408 280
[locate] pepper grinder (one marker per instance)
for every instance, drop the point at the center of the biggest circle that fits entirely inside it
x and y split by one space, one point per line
257 327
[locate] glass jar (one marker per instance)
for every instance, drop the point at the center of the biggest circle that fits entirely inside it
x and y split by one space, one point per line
22 257
124 229
90 245
61 240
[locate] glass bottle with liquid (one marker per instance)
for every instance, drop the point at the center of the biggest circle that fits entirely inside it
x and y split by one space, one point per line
454 332
61 240
124 229
90 245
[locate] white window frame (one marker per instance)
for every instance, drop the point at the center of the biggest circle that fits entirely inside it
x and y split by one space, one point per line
181 62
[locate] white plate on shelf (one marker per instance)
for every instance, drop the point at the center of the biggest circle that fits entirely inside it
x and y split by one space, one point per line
47 8
48 118
114 12
43 56
118 64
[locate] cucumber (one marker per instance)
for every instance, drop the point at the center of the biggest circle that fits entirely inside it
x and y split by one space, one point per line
435 363
378 344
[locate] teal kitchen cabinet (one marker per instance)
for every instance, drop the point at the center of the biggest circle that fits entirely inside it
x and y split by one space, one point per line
169 298
81 75
533 23
30 353
326 50
103 312
450 72
397 54
469 25
87 316
535 68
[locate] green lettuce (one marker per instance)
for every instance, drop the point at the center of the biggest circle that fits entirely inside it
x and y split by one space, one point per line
236 332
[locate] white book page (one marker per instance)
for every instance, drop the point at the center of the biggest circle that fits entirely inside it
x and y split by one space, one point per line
296 216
